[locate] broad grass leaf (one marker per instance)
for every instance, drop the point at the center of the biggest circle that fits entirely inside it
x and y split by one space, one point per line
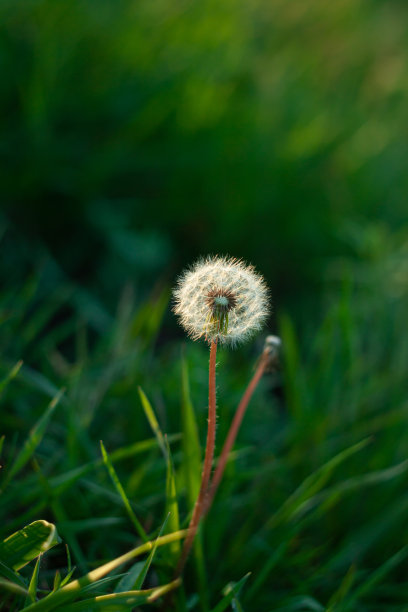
21 547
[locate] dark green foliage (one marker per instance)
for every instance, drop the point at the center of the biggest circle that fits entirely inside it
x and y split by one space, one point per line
137 135
313 503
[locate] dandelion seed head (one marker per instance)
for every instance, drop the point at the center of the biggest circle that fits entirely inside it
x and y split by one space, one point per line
221 299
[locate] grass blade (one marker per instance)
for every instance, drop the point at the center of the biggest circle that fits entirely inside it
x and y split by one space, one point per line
12 587
375 577
21 547
121 601
191 466
141 578
11 575
312 484
127 582
331 495
344 588
32 588
34 438
154 424
191 441
171 500
171 493
12 374
231 594
121 491
73 589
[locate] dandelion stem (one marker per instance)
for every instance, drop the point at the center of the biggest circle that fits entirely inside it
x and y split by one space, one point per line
235 425
201 503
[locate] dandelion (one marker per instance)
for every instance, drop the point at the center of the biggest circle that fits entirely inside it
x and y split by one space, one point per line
222 300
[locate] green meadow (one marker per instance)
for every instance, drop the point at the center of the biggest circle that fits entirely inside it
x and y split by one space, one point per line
136 137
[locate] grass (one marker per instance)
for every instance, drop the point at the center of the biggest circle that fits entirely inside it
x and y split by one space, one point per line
103 438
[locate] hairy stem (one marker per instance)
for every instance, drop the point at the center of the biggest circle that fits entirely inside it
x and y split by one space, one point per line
201 502
235 425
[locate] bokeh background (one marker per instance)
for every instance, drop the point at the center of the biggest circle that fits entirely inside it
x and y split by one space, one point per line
139 135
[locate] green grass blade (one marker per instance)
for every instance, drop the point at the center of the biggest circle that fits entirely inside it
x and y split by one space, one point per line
148 319
232 592
57 581
141 577
67 479
343 589
11 575
21 547
121 491
34 438
32 588
38 381
126 583
375 577
191 466
312 484
171 493
12 587
73 589
67 577
68 535
171 501
265 571
12 374
154 424
331 495
121 601
191 441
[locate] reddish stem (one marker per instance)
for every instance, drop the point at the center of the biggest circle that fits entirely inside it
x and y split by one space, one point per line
235 425
201 504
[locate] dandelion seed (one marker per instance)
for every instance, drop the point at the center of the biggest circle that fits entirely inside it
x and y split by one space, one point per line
221 299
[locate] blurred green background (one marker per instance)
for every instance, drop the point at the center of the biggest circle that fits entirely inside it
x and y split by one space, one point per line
138 135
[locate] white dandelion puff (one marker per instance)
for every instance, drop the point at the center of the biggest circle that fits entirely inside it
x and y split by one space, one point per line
221 299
